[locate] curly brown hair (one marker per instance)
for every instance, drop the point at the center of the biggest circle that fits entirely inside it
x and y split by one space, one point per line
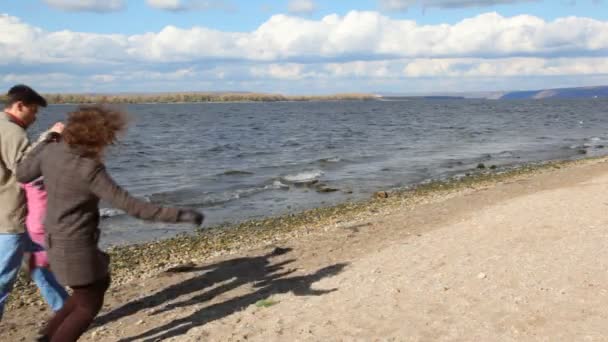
92 128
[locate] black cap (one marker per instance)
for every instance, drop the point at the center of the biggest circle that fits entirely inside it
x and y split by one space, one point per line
25 94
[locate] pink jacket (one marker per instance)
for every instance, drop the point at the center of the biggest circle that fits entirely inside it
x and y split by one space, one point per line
35 195
34 221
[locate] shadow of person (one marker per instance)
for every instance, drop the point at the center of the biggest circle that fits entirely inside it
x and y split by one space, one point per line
236 271
298 285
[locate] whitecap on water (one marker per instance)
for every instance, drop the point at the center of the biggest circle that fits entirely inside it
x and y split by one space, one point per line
330 160
303 177
110 212
277 184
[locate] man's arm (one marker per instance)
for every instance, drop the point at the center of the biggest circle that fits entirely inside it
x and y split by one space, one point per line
28 168
13 146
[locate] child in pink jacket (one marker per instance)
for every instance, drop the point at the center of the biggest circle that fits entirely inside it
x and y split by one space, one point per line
50 289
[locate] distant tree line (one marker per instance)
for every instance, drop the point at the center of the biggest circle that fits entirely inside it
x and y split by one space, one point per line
194 97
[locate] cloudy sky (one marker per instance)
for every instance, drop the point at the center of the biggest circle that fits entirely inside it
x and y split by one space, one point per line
303 46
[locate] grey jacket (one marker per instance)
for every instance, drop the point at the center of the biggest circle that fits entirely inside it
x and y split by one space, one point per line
75 184
13 143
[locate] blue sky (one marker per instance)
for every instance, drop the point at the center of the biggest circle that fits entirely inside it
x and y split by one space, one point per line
139 17
303 46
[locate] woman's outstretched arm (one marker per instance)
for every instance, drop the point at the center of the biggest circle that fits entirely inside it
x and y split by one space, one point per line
103 186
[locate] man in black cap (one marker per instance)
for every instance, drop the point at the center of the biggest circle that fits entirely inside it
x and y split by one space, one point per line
22 103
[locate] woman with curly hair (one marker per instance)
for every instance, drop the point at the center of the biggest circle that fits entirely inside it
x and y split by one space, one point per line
76 179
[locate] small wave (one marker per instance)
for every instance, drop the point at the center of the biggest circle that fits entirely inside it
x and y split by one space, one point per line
303 177
236 173
110 212
582 146
506 154
198 199
277 184
483 157
330 160
587 142
452 163
224 147
291 143
595 143
229 196
253 154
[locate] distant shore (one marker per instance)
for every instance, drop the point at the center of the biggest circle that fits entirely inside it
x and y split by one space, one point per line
195 97
598 92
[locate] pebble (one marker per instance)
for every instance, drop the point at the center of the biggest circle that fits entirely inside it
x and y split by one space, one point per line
381 194
482 276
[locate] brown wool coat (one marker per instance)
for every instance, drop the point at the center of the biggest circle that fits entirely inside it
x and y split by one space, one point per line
75 184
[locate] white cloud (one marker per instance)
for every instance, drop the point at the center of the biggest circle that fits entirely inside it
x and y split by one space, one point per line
47 82
170 5
185 5
355 36
507 67
301 6
401 5
436 68
360 69
87 5
366 35
103 78
288 71
360 49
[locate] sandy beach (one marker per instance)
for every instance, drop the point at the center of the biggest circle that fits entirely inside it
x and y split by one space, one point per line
517 258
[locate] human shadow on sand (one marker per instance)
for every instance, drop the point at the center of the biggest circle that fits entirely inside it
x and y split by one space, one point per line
267 279
240 270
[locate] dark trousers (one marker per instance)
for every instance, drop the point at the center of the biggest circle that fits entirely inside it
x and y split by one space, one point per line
78 312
